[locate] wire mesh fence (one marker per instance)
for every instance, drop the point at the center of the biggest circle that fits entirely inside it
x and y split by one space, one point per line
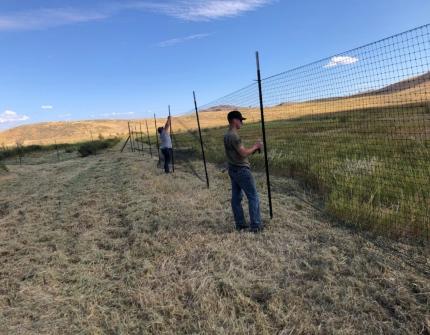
354 127
352 130
139 139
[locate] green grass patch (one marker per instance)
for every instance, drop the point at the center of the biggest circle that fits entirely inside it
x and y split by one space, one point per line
91 148
371 166
83 148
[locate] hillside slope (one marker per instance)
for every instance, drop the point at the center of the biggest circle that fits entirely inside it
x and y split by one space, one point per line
410 91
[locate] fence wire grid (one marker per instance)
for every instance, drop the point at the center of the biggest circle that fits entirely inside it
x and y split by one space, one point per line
354 128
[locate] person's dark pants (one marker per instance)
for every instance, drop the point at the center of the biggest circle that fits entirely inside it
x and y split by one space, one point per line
167 153
242 180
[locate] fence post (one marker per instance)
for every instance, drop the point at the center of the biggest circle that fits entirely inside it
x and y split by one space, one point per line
141 136
156 136
126 141
149 139
201 139
263 128
171 136
130 136
137 138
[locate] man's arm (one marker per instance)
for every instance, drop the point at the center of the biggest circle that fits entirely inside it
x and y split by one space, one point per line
167 125
244 152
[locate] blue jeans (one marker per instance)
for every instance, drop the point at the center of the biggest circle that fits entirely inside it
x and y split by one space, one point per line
167 153
242 180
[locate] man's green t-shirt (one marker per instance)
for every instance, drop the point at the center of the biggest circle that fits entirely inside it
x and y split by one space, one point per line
232 143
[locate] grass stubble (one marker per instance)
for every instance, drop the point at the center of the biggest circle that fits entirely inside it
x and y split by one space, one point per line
110 245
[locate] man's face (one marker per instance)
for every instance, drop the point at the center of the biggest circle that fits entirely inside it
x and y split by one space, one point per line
237 123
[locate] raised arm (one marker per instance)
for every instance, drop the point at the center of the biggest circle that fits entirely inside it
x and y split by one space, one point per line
168 122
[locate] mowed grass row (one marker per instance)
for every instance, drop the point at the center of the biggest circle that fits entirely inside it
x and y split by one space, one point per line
370 166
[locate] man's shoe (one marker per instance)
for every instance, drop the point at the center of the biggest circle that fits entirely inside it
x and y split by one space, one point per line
241 228
256 230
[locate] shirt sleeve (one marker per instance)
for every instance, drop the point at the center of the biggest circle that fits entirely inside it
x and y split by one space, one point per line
236 142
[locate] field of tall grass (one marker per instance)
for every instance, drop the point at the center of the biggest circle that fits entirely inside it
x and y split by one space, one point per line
370 166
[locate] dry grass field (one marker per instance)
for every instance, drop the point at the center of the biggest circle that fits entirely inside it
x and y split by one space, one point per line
415 90
110 245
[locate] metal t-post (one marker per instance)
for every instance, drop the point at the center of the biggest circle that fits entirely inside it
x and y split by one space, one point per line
201 139
156 136
263 128
171 136
141 135
149 139
130 136
137 139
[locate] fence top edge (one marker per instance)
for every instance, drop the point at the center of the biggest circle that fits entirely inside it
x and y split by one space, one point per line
348 51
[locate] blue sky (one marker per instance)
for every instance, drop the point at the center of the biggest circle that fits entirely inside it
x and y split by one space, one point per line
71 60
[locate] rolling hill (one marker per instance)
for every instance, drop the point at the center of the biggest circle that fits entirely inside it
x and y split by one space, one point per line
415 90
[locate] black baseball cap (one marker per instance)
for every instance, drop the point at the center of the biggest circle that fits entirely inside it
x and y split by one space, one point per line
235 115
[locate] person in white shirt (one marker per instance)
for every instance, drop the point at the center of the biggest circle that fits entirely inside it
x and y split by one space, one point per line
166 144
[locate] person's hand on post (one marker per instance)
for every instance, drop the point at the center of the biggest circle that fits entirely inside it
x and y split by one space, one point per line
258 146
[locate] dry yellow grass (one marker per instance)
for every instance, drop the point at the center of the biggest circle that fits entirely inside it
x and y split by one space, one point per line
69 132
110 245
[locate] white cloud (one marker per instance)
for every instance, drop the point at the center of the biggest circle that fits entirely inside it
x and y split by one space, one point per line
48 17
179 40
47 107
341 60
203 10
9 116
188 10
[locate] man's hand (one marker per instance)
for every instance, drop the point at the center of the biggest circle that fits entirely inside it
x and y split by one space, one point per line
257 146
252 150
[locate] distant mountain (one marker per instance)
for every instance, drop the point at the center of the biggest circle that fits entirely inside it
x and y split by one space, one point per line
411 90
221 108
419 83
406 84
62 132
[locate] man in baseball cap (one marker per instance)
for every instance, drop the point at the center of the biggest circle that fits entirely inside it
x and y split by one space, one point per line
240 174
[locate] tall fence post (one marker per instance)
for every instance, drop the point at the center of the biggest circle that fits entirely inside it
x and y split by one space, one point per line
263 128
136 144
136 136
149 139
141 136
201 139
132 139
130 136
171 135
156 136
